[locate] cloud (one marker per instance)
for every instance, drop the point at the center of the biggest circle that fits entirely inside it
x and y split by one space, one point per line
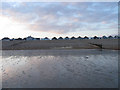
63 18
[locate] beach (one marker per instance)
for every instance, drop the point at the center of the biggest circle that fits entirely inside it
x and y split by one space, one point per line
60 64
85 68
61 44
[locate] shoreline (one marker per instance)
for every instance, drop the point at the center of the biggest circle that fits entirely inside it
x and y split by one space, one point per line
61 49
111 44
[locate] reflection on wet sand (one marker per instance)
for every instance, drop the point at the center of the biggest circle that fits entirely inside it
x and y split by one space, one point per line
60 68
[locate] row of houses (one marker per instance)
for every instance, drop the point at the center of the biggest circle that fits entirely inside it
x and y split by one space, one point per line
61 38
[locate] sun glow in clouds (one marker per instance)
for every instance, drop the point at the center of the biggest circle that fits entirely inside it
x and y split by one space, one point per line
13 29
10 28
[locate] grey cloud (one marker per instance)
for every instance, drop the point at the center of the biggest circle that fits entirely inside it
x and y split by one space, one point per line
63 17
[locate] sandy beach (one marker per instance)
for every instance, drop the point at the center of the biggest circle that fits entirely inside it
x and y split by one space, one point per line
61 44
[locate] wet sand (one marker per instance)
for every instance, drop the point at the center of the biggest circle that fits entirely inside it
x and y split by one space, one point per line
85 68
61 44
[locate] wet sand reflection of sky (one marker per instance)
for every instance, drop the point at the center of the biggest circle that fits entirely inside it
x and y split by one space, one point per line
60 70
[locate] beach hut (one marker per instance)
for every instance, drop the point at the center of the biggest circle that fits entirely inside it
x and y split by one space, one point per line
6 39
36 39
60 38
79 37
73 38
66 38
110 37
18 39
46 38
54 38
104 37
95 37
85 37
116 37
24 38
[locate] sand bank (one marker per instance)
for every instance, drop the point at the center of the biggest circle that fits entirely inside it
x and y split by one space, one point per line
61 44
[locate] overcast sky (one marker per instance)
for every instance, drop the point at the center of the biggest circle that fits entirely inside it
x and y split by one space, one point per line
38 19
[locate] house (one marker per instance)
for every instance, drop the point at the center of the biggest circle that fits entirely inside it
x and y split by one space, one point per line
6 39
29 38
60 38
66 38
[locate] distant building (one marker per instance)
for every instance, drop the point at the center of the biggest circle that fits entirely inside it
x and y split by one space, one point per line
12 39
60 38
91 37
18 39
24 38
110 37
100 37
85 37
67 38
79 37
95 37
46 38
37 38
116 37
42 38
6 39
29 38
104 37
54 38
73 38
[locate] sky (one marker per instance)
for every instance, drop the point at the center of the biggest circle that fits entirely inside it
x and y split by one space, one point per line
49 19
